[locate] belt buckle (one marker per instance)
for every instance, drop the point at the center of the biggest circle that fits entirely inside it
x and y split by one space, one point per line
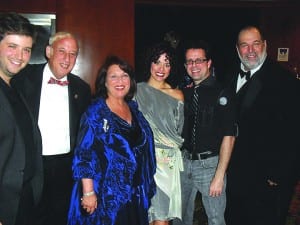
207 154
197 156
204 155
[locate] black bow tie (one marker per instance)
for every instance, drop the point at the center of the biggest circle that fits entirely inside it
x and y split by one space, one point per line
245 74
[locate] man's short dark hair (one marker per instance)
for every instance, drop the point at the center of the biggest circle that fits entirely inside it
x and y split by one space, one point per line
197 44
13 23
250 27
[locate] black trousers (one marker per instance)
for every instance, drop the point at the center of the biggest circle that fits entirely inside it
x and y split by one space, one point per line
269 206
58 182
26 211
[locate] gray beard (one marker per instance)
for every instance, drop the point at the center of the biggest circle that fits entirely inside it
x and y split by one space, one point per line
251 66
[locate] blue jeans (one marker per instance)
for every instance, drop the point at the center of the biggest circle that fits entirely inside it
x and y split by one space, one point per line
197 176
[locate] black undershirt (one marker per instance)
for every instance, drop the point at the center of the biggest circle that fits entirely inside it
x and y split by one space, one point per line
24 123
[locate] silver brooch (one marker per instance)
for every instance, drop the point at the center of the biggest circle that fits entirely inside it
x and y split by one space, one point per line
105 125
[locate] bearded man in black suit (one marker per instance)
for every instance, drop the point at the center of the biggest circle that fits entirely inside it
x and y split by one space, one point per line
261 174
57 99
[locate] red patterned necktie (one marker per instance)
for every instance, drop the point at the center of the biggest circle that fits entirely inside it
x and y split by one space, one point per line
59 82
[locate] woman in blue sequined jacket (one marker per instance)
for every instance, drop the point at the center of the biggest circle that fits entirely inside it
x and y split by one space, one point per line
114 161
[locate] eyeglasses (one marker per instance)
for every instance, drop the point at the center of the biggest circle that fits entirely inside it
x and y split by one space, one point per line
198 61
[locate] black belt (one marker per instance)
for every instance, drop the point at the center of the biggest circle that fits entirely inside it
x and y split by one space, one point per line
198 156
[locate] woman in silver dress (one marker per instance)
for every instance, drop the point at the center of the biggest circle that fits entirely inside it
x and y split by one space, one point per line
162 106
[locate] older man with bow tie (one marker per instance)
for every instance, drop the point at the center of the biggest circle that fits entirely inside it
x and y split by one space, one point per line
57 99
265 158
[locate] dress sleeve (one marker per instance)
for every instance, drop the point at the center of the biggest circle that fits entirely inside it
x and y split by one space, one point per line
86 160
179 116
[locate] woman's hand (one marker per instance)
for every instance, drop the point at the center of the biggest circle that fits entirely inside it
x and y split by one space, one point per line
89 203
89 197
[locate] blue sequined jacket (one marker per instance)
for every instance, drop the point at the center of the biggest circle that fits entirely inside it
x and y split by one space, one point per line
105 156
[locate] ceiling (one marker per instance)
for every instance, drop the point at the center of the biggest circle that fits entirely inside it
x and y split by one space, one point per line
223 3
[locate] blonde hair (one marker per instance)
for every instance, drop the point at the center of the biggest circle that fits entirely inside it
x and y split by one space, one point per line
60 35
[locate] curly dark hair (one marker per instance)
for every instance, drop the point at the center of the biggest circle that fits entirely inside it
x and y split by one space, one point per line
101 90
152 55
13 23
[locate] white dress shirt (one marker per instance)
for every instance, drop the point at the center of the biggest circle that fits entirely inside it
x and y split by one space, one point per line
241 81
53 118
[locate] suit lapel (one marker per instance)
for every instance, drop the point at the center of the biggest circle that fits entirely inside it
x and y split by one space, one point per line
251 89
32 89
73 110
4 104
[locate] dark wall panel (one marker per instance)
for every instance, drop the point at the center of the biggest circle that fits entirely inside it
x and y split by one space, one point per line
102 28
28 6
219 25
282 26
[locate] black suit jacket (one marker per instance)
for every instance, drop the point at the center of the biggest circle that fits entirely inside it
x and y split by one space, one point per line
29 82
267 145
12 162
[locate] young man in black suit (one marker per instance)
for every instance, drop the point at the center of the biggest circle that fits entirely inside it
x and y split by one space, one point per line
262 170
57 99
21 175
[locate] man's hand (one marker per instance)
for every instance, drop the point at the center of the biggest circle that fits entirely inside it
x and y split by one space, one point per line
216 187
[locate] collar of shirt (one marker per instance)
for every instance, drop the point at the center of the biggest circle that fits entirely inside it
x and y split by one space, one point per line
208 81
253 70
4 85
242 81
48 73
